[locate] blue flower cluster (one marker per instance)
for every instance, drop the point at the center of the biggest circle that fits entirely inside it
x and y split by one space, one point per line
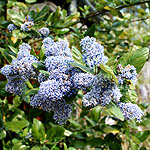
103 91
130 111
11 27
26 26
19 70
82 80
28 23
93 52
63 82
129 73
44 32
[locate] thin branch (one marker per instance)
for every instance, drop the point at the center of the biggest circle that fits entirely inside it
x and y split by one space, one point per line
129 5
140 19
103 11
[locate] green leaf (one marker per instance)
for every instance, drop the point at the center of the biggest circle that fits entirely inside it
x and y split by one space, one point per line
109 129
90 121
142 136
91 30
95 113
115 110
36 147
55 134
32 91
137 58
113 142
96 142
38 25
19 34
29 84
13 49
45 73
79 143
38 130
108 70
32 14
2 134
84 68
42 51
20 146
1 120
38 66
77 56
71 148
30 1
16 126
55 148
136 140
65 146
42 14
15 17
17 101
6 55
128 94
61 31
75 123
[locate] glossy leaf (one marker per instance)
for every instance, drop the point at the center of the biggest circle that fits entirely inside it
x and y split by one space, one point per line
16 126
91 31
20 146
32 91
96 142
41 15
30 1
79 143
36 147
109 71
77 56
2 134
55 134
95 113
19 34
38 130
38 66
84 68
137 58
115 110
45 73
6 55
13 49
142 136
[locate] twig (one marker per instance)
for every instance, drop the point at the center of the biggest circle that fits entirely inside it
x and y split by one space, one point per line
140 19
129 5
103 11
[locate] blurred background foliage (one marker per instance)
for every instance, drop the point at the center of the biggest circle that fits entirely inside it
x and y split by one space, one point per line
120 26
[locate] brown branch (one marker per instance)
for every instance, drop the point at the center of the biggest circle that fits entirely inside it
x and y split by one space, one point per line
129 5
103 11
140 19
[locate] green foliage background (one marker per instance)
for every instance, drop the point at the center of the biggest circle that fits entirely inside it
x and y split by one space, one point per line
122 27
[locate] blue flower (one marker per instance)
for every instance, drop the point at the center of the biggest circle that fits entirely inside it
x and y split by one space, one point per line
129 73
26 26
57 62
44 31
130 111
11 27
82 80
93 52
7 70
103 91
15 86
60 48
